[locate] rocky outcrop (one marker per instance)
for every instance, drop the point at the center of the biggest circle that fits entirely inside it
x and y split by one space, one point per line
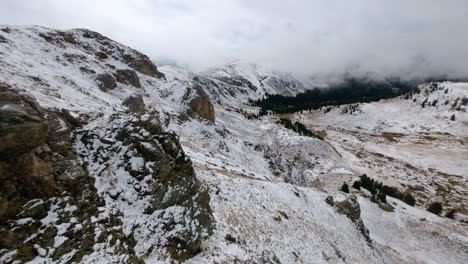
106 82
41 175
135 104
351 209
131 57
199 103
128 77
3 39
23 134
142 64
154 177
97 183
28 141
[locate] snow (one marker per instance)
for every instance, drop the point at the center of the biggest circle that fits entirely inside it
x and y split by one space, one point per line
256 170
403 144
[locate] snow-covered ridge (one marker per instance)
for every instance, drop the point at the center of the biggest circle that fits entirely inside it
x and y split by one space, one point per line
264 185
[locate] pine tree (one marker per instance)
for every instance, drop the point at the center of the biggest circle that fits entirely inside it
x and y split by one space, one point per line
382 197
435 208
345 187
452 118
408 198
357 185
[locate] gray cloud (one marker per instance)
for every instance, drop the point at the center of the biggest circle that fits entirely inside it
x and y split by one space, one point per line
414 38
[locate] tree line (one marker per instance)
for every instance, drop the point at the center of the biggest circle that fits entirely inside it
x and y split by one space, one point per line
350 91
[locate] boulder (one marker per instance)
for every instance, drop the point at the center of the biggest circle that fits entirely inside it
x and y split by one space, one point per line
129 77
101 55
350 207
135 104
106 82
329 200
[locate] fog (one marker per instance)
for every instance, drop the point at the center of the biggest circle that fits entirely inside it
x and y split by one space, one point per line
417 38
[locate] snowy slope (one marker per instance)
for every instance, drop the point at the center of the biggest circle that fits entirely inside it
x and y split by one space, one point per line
267 184
410 141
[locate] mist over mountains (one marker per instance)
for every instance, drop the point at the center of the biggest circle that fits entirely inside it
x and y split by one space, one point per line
322 39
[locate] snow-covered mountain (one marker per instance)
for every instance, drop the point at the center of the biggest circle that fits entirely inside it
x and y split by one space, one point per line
106 158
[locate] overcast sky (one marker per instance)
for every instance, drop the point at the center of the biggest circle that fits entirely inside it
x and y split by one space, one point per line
407 37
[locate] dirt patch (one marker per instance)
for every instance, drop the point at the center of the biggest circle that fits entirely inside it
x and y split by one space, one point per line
392 136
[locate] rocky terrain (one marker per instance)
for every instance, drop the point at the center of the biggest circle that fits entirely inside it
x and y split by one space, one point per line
105 157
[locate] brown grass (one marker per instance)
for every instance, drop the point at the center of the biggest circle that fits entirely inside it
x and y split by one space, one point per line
392 136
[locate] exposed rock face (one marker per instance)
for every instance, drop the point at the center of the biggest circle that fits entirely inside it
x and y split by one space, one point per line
143 64
200 103
169 206
106 82
129 77
26 139
350 207
23 133
41 175
134 59
91 183
135 104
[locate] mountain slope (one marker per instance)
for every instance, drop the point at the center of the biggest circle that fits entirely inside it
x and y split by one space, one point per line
159 165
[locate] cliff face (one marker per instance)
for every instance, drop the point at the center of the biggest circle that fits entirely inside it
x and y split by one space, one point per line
200 104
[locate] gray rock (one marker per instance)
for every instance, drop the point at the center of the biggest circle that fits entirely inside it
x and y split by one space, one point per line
351 209
69 170
3 39
135 104
106 82
329 200
129 77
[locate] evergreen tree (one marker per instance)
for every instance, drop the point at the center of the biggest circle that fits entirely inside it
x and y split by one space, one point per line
408 198
452 117
382 197
345 187
357 185
435 208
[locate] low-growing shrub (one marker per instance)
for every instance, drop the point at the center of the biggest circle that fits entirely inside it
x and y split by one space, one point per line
435 208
